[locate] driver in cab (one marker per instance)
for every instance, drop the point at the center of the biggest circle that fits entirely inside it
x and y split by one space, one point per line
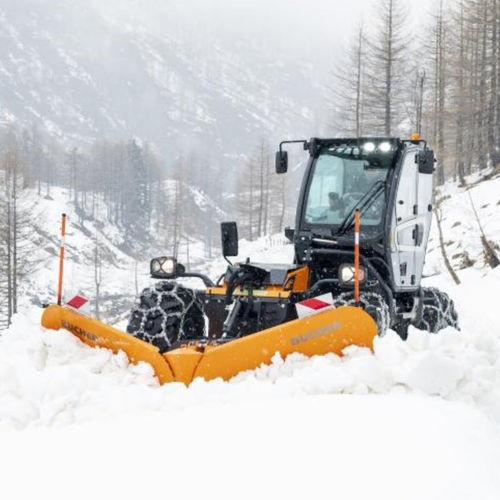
336 204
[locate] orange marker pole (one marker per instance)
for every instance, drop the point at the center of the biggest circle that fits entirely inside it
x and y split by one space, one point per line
61 260
356 257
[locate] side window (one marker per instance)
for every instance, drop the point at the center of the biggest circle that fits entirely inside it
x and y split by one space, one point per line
328 178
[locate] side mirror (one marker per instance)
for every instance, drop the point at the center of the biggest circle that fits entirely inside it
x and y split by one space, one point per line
229 237
425 160
281 162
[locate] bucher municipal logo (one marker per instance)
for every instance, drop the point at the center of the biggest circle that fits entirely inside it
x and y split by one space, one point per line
316 333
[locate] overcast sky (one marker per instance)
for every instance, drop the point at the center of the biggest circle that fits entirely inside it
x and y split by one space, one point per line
291 27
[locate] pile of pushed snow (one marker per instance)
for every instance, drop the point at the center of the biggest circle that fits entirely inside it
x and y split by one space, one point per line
52 378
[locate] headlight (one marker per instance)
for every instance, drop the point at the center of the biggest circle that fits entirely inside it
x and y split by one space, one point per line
165 267
168 265
346 274
385 147
155 265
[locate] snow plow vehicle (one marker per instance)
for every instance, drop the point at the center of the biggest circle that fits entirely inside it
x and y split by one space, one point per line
362 225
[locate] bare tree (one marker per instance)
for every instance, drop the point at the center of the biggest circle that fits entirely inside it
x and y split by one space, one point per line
15 235
490 255
97 274
442 246
347 90
386 60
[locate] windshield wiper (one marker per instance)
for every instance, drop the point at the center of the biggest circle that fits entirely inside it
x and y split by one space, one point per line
363 203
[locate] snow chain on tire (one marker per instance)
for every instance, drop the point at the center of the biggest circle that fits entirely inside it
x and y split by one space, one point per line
373 303
166 313
438 311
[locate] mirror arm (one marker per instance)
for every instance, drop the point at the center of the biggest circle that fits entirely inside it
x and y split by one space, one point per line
302 141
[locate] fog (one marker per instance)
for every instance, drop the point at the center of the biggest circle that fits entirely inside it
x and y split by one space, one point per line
185 75
293 29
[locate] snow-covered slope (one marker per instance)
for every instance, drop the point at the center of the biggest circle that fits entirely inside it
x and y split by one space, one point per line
122 275
85 70
460 227
416 419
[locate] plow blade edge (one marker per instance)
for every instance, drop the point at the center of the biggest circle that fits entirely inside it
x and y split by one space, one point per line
329 331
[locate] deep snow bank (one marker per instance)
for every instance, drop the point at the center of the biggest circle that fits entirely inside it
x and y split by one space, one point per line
51 378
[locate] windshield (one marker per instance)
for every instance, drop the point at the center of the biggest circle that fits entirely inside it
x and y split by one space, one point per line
338 183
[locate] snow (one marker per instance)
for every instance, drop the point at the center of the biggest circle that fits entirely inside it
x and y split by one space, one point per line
416 419
307 447
460 225
58 380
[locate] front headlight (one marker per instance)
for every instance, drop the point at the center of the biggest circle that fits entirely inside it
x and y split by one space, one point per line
155 266
168 265
346 274
165 267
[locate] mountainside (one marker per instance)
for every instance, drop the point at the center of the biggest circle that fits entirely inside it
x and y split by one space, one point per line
85 72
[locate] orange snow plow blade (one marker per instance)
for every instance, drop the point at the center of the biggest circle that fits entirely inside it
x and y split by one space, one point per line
97 334
329 331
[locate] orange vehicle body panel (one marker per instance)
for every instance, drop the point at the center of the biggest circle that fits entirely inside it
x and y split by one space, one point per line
329 331
299 278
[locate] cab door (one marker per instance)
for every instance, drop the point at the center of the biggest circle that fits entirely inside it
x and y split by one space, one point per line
411 218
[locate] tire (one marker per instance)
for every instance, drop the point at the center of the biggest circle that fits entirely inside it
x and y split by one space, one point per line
167 313
373 303
438 311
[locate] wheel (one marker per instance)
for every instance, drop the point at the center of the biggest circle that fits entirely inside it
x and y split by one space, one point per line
438 311
373 303
165 314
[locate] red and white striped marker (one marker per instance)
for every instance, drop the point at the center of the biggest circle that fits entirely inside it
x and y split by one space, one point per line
79 304
314 305
356 257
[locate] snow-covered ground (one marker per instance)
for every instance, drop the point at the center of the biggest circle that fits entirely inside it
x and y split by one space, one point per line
307 447
416 419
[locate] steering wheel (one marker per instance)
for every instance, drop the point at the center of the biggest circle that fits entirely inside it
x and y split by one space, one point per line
245 276
318 216
373 211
